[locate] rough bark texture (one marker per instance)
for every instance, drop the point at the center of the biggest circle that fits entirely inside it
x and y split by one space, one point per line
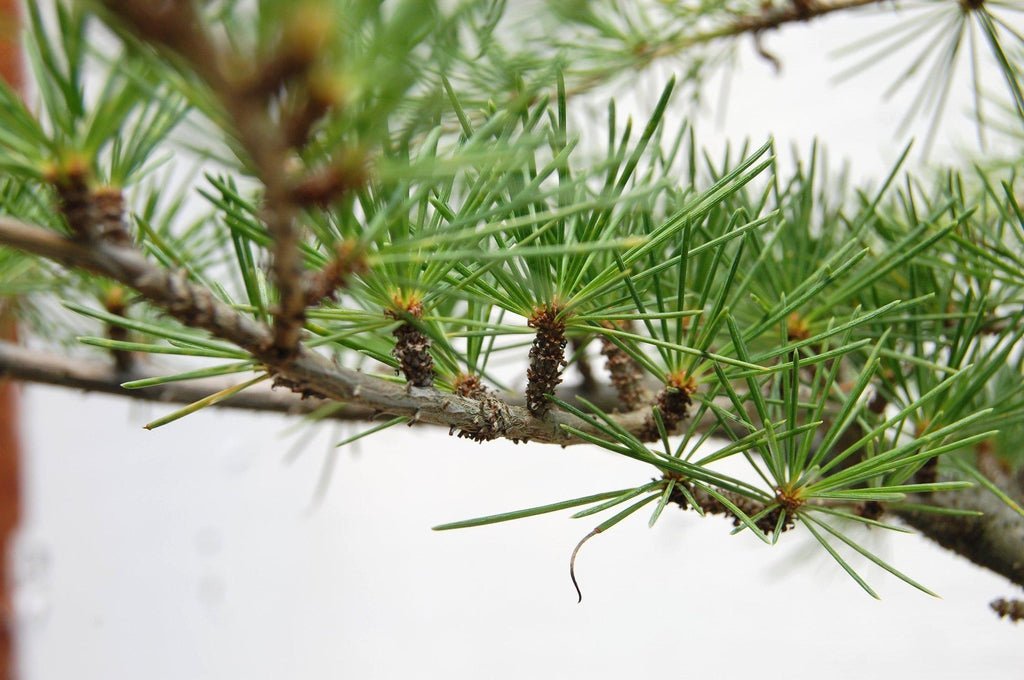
994 540
492 415
306 371
74 199
108 203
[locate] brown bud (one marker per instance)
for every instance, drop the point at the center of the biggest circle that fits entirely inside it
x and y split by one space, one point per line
547 358
673 403
71 180
412 348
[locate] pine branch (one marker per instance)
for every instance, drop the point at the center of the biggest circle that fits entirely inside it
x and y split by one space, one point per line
994 540
262 107
798 10
47 368
772 17
306 372
178 27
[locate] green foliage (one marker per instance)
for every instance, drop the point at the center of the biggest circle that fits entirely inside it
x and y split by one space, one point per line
841 341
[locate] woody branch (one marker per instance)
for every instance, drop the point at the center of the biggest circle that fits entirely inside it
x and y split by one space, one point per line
248 100
305 371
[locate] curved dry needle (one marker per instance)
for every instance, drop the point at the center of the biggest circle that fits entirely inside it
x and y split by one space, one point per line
572 562
603 526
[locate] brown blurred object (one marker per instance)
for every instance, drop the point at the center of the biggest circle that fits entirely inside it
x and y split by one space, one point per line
10 46
11 70
10 505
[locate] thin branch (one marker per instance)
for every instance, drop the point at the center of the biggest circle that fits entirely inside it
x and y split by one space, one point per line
179 28
786 13
755 24
47 368
766 20
994 541
306 372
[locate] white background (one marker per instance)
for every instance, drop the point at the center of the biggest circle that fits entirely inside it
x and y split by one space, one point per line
193 553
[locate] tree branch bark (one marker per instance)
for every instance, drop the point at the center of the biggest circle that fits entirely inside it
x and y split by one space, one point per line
770 18
306 371
179 27
994 540
754 24
792 12
45 368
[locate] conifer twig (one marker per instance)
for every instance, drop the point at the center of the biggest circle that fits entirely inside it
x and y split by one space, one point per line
178 27
787 13
768 19
994 540
46 368
306 372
